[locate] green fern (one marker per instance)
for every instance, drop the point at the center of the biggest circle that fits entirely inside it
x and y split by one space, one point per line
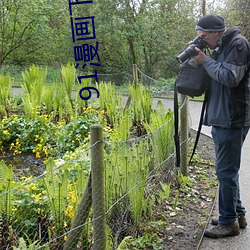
6 184
114 108
141 103
161 126
33 86
48 98
68 74
5 90
56 185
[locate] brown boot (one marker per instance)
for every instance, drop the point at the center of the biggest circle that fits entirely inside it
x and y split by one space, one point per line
241 219
221 231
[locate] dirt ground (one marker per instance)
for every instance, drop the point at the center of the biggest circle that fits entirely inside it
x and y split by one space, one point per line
187 222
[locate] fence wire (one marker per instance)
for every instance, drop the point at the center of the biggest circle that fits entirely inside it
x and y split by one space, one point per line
158 87
40 211
44 210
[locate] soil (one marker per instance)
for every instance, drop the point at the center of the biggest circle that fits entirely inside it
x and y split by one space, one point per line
186 223
25 164
179 220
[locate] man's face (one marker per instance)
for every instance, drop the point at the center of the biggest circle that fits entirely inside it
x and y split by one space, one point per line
211 38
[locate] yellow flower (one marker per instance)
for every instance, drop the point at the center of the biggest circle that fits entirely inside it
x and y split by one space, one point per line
73 199
37 196
14 209
38 155
6 132
16 152
69 211
102 112
45 151
25 178
31 187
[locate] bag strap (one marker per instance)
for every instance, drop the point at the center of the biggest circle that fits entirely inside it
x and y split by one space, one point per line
176 126
199 127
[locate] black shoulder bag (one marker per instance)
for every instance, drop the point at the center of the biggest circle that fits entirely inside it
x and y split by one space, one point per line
191 81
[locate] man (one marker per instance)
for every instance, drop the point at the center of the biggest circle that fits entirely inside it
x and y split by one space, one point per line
228 112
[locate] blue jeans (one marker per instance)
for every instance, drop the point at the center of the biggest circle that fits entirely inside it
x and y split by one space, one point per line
228 145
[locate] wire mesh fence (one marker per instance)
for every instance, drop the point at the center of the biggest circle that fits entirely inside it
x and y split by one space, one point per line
158 87
42 209
55 210
162 87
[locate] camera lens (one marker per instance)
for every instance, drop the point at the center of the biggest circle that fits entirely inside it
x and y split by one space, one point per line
187 53
190 51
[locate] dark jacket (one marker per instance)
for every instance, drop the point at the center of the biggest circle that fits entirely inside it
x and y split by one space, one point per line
229 90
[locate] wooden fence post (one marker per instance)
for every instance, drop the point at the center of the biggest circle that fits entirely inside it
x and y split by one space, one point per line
135 74
98 194
135 81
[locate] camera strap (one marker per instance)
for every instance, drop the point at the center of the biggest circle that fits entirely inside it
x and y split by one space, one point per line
199 127
176 126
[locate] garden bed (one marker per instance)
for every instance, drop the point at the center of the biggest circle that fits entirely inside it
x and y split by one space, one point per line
25 164
185 226
178 220
150 205
181 215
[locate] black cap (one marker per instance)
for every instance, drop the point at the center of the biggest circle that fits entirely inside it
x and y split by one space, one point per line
210 23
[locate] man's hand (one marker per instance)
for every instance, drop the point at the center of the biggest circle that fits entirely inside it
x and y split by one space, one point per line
200 58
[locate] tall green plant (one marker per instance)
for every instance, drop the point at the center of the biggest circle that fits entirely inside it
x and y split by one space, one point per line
5 89
62 106
56 185
161 129
61 93
23 245
68 74
137 178
122 127
79 102
48 97
110 102
126 171
33 86
141 103
6 184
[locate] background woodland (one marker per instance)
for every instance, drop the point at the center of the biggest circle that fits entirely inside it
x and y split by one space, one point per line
149 33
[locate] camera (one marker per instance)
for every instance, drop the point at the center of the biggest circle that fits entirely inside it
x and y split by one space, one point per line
190 51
